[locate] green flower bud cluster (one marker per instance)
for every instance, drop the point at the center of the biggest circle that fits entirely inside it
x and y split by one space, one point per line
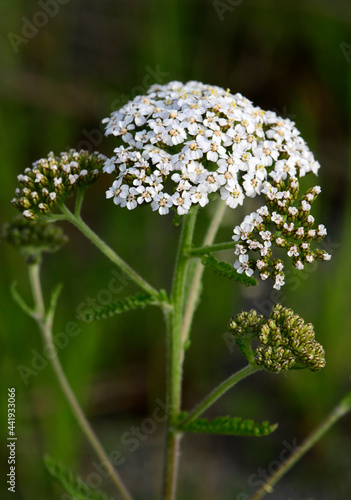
53 178
246 324
245 327
33 237
285 222
288 342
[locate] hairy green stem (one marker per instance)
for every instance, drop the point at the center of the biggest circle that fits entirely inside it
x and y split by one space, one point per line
34 279
175 357
218 392
106 250
343 407
179 322
197 276
79 201
45 322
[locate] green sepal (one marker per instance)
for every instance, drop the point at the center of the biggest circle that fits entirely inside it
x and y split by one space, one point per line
73 485
230 426
119 306
227 270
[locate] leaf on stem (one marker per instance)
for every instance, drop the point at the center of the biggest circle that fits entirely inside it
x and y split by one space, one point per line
73 485
231 426
104 311
53 301
227 270
18 299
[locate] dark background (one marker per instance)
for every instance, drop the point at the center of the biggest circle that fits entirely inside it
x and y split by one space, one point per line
56 86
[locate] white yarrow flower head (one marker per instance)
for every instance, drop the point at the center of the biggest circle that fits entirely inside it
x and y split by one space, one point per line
206 137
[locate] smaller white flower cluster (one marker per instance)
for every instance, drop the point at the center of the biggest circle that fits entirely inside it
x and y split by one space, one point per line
53 178
184 142
284 222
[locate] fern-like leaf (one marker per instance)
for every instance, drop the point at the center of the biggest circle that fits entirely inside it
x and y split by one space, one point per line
231 426
227 270
118 306
73 485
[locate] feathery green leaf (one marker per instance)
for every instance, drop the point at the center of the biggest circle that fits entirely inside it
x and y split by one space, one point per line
227 270
232 426
73 485
118 306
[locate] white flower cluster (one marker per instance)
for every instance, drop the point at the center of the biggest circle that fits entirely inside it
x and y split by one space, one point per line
184 142
53 178
284 222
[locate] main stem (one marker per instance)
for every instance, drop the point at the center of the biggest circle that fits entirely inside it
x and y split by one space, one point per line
175 357
44 324
179 322
77 221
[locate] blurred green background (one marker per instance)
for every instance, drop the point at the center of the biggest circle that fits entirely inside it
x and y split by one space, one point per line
57 84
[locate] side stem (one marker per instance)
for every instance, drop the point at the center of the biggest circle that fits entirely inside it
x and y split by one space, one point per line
218 392
217 247
106 250
339 411
45 328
